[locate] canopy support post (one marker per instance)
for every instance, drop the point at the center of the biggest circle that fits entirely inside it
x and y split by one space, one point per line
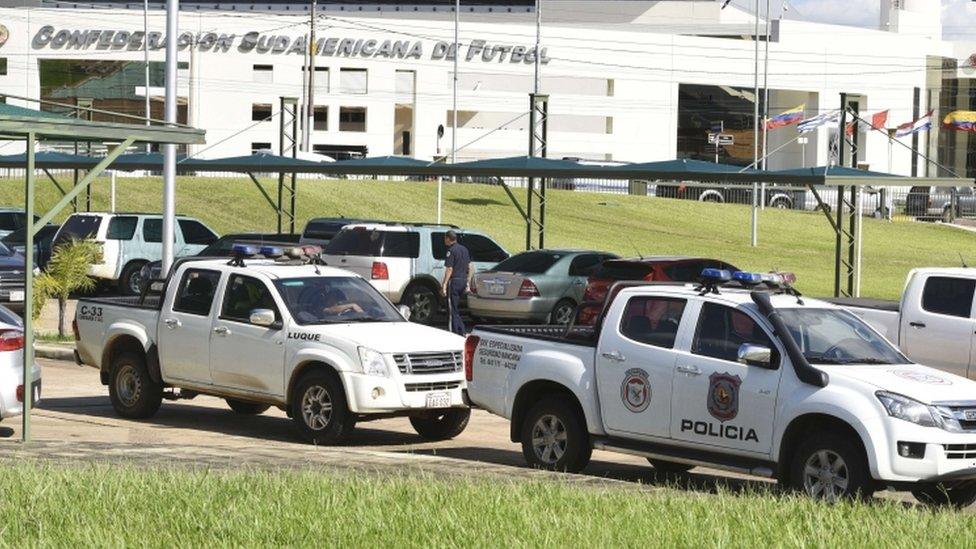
845 247
264 193
28 354
538 141
822 206
56 184
515 202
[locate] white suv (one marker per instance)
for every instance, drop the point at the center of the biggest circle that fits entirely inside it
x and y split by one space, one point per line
405 261
130 240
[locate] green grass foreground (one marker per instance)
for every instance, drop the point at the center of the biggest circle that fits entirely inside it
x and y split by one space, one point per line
799 241
82 506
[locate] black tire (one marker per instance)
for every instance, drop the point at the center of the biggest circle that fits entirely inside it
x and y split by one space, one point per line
782 204
848 478
246 408
423 302
669 467
563 313
958 495
129 282
133 392
947 216
558 418
319 426
441 424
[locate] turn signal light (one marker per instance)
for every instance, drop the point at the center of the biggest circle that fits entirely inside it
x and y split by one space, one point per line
470 346
528 289
11 340
20 393
380 271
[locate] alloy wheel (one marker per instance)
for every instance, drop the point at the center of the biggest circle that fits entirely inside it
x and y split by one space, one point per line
563 315
826 476
316 407
549 439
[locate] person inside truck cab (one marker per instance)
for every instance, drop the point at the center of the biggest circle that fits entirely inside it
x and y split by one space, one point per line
335 302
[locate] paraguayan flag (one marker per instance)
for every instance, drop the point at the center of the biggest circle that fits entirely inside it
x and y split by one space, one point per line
811 124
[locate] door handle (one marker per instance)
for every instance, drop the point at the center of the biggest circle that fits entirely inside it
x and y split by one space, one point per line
614 356
917 324
690 370
222 331
172 323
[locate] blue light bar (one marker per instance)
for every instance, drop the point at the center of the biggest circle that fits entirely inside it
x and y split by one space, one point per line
244 249
716 276
747 279
271 251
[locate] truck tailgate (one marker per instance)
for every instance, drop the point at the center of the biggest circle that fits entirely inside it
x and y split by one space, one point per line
99 318
883 316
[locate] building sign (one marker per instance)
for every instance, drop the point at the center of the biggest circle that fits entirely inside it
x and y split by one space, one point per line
48 37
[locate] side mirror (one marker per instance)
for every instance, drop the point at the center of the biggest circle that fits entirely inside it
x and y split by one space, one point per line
755 355
262 317
156 286
405 311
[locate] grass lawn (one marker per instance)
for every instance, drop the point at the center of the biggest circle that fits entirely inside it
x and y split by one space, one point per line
798 241
82 506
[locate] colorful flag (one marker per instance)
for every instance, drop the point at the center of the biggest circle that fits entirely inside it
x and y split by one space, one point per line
922 124
963 121
786 118
811 124
879 119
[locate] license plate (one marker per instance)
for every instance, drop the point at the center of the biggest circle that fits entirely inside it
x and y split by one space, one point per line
438 400
17 295
496 289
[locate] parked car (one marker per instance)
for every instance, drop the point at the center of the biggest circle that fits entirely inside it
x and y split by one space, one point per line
320 230
317 341
130 240
776 196
222 247
12 279
17 241
405 261
935 321
12 219
12 385
940 203
535 286
648 269
745 378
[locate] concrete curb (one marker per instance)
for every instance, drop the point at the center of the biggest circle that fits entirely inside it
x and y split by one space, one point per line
55 352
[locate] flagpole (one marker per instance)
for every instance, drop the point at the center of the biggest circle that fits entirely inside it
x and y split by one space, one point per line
909 147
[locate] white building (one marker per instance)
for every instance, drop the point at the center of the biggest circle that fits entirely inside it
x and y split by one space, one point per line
630 80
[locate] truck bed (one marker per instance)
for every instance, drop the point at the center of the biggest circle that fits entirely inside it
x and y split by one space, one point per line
864 303
585 336
152 302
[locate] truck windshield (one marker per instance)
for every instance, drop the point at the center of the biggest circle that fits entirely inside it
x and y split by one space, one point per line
335 299
833 336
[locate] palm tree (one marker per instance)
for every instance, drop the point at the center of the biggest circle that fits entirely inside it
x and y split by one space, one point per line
67 272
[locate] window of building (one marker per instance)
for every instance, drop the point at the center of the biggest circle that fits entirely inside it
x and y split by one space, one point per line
263 74
322 79
948 296
352 81
405 82
260 146
321 119
352 119
196 292
3 66
610 85
721 330
609 125
260 111
652 320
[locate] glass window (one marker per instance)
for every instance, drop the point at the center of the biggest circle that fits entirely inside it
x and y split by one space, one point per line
243 295
583 265
328 300
196 292
122 227
352 81
624 270
401 244
352 119
3 66
260 147
263 74
260 112
405 82
356 242
437 247
324 229
721 330
949 296
652 320
195 232
152 230
79 227
482 248
321 122
528 263
8 221
833 336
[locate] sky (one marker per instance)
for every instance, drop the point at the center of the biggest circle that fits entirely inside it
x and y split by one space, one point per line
958 16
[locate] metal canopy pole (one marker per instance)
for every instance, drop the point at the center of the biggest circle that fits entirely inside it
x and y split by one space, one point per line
538 137
169 149
288 144
28 364
755 134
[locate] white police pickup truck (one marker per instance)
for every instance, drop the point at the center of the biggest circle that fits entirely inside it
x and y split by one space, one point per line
277 329
743 375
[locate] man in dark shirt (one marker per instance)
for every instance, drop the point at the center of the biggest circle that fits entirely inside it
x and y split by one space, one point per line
457 277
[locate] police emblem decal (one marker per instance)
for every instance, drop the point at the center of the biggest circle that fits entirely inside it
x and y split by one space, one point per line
723 396
635 391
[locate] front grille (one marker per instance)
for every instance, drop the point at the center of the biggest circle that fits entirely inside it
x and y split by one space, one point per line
12 280
960 451
428 363
961 412
436 386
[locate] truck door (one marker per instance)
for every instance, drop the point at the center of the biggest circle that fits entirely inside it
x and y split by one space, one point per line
243 355
184 327
717 400
937 324
635 363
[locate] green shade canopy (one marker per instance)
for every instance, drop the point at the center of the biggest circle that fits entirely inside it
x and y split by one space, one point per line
47 160
524 166
382 161
258 162
18 122
834 171
685 165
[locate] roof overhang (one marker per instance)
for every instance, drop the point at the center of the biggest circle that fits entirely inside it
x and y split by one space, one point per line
71 129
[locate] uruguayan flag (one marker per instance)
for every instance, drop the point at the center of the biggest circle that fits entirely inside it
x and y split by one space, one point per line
811 124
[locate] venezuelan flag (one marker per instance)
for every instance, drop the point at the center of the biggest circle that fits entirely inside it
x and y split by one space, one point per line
964 121
786 118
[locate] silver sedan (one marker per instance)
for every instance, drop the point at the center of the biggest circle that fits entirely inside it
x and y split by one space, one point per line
12 366
534 286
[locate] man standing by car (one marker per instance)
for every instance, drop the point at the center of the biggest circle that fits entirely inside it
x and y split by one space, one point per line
456 279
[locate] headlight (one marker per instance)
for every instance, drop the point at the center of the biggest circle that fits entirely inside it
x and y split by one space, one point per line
373 363
910 410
